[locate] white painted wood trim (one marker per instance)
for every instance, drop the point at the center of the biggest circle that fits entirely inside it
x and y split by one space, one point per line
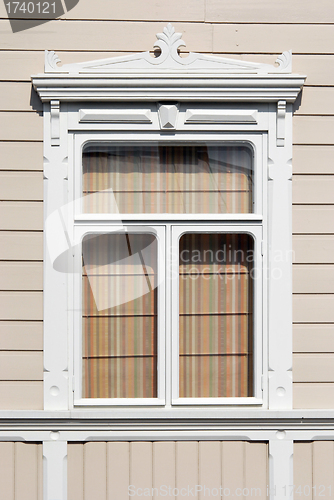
280 266
81 432
290 419
186 88
168 115
54 467
180 218
221 116
259 141
280 466
280 123
55 125
169 43
115 116
55 304
168 76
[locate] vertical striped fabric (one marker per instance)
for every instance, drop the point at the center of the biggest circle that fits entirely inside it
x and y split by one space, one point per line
167 179
215 324
119 299
119 316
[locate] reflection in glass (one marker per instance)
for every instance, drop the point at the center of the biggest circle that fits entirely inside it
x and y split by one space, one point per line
167 179
119 316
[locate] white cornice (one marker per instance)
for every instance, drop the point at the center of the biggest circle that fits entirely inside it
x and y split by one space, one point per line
185 87
95 425
168 77
181 416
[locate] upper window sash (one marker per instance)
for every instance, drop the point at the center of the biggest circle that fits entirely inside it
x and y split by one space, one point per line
252 141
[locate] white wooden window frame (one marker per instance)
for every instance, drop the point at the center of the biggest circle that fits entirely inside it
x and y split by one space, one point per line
170 96
84 223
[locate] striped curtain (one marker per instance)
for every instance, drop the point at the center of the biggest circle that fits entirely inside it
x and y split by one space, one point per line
167 179
215 323
119 316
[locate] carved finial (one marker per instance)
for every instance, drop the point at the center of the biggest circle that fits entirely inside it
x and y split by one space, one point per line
169 42
284 61
51 60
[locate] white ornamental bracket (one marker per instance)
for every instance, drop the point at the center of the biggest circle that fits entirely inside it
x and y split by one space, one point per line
168 116
280 123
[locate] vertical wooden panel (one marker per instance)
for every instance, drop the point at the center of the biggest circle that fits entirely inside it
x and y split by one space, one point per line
323 466
104 471
186 465
7 471
75 466
302 469
40 471
233 465
256 470
95 471
164 467
141 467
313 469
118 465
26 471
209 467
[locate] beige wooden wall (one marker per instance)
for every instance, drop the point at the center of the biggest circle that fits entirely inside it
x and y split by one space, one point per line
21 471
241 29
106 470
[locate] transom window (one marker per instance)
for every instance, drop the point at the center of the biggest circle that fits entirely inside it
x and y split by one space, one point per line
198 178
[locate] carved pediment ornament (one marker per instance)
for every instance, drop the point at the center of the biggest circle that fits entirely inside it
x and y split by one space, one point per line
169 43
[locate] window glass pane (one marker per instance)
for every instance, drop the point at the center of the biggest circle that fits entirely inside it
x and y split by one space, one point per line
216 315
119 316
167 179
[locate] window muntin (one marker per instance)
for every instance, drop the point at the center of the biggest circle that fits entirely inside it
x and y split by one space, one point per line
160 178
216 315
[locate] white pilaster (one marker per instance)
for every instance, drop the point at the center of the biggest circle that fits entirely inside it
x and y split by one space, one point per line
55 275
280 467
280 267
55 469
